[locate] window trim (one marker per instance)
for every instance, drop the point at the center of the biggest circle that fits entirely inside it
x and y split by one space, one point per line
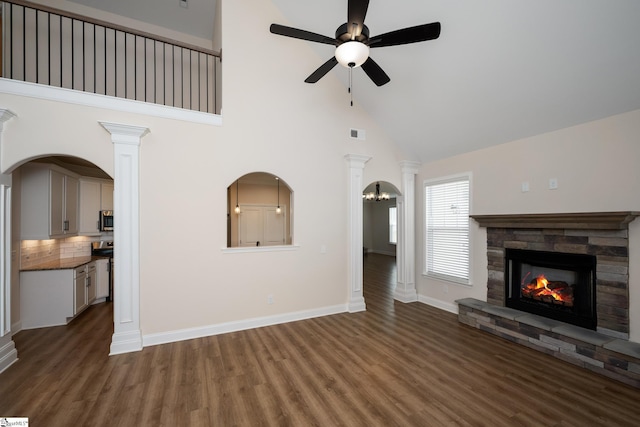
447 278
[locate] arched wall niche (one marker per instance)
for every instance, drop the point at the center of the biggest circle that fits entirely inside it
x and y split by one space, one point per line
259 211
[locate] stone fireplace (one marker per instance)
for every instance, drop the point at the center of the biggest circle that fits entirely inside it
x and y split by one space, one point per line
603 236
559 283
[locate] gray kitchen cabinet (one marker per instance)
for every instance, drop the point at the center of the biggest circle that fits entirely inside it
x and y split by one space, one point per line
80 290
55 297
106 199
102 279
95 195
92 282
49 202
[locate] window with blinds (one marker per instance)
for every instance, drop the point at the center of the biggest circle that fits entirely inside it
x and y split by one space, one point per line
393 225
447 229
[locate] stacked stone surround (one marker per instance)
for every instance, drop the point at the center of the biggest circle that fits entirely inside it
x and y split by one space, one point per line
604 235
610 248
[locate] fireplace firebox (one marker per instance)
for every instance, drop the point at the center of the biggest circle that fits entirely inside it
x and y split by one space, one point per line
556 285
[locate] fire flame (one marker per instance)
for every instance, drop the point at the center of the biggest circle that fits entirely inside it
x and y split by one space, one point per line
540 287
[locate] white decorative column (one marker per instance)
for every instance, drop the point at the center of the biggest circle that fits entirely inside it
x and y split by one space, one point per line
356 167
8 352
405 290
127 336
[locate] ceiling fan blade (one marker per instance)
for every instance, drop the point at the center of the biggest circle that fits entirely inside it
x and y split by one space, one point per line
301 34
415 34
375 73
322 70
357 10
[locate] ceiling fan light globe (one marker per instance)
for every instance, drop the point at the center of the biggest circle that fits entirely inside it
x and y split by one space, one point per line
352 54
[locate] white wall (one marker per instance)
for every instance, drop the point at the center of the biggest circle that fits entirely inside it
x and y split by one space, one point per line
596 165
274 122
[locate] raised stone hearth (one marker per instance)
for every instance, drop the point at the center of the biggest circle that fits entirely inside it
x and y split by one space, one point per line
615 358
603 235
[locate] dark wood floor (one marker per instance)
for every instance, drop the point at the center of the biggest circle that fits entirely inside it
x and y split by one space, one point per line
393 365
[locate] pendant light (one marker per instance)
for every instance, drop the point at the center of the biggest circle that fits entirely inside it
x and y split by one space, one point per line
278 210
237 196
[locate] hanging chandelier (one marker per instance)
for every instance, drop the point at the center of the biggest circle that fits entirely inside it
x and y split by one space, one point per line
377 196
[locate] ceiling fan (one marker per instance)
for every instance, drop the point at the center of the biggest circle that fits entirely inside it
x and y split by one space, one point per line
352 42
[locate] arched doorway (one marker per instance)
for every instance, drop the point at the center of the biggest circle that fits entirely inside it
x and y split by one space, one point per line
125 141
380 240
68 190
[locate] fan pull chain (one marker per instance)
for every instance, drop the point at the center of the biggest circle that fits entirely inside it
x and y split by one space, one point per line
351 83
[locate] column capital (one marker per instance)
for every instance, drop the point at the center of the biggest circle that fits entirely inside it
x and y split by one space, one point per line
125 134
5 116
357 160
408 166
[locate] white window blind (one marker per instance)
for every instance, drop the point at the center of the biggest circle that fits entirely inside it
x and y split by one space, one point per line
447 229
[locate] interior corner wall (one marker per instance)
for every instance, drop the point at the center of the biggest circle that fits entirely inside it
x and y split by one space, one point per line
596 168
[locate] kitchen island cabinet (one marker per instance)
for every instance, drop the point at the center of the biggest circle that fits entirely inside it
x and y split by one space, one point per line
54 296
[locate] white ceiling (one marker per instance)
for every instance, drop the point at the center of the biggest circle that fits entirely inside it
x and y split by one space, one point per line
501 70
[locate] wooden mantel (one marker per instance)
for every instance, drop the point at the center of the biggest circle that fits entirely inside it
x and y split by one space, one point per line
581 220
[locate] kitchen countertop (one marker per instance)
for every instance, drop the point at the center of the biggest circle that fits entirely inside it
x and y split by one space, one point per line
63 264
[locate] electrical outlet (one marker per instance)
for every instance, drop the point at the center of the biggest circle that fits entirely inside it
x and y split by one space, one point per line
525 186
270 299
553 183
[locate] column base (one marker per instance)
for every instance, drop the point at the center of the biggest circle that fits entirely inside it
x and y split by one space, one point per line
405 295
356 305
126 342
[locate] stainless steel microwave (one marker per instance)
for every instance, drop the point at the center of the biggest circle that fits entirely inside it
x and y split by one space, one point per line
106 220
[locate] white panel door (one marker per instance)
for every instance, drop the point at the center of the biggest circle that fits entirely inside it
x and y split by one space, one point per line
261 226
273 227
251 226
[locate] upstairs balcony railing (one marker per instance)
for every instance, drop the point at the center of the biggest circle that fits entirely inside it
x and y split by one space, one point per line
56 48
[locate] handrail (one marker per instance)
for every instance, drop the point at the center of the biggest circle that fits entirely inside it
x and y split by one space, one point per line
113 26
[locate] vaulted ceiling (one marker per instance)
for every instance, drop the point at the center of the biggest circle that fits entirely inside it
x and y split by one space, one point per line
501 70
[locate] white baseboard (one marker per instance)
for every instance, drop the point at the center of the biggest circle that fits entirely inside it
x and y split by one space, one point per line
241 325
442 305
8 356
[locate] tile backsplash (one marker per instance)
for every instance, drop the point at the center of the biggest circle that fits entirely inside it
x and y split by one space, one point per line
34 252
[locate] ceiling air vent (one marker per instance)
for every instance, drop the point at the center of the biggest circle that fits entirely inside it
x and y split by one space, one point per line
357 134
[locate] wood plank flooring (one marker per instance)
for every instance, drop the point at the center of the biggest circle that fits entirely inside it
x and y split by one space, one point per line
394 365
